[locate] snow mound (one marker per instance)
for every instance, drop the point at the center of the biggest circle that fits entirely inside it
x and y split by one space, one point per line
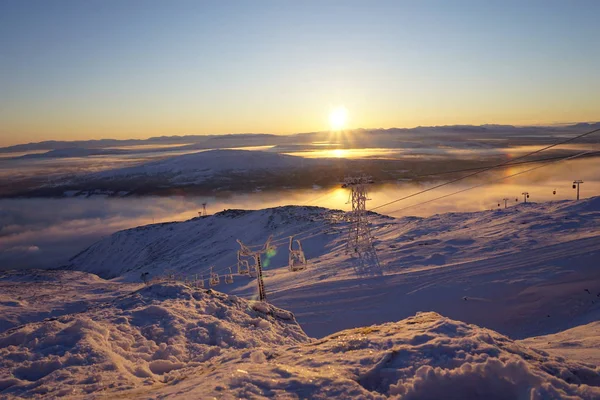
169 340
142 338
426 356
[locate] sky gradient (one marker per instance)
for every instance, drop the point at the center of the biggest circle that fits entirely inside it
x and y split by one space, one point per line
140 68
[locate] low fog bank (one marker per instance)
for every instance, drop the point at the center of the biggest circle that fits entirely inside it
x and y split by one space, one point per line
45 233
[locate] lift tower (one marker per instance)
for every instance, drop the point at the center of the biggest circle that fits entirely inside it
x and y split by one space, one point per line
246 252
576 183
360 240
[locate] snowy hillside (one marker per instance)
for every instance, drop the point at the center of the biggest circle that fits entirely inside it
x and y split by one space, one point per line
580 343
171 340
196 167
31 296
192 246
523 271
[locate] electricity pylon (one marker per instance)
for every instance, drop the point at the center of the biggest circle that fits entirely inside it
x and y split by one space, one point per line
204 209
525 196
246 252
360 240
577 183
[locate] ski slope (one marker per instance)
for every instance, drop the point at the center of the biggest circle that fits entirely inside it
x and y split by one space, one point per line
521 271
442 316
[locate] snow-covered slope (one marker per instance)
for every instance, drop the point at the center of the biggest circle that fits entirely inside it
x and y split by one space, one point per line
192 246
31 296
196 167
148 338
581 343
168 340
522 271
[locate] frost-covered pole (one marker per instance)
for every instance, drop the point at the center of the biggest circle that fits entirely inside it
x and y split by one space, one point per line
577 183
245 251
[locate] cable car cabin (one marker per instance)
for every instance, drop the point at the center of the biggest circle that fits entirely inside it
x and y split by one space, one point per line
229 277
297 260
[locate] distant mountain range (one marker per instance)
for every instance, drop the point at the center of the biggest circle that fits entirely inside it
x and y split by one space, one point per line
263 139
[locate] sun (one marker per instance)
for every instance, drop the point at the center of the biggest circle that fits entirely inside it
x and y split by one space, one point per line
338 117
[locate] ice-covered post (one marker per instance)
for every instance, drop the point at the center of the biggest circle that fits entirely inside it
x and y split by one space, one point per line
245 251
576 183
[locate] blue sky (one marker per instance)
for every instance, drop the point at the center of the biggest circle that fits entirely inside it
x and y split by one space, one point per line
92 69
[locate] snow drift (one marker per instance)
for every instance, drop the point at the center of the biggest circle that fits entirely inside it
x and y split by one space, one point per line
171 340
139 339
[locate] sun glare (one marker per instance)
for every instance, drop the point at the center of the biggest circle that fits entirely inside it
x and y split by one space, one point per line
338 117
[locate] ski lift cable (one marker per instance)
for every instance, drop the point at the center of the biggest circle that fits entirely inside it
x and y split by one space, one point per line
478 171
274 242
486 169
324 229
284 233
507 163
512 164
504 164
495 180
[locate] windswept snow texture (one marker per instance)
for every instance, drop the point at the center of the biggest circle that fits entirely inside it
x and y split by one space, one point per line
31 296
151 337
523 271
168 340
197 167
581 343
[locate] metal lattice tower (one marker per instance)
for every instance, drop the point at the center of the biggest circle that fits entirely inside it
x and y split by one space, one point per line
360 240
246 252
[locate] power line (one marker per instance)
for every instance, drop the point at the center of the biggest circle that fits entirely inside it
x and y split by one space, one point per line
479 168
492 181
507 163
486 169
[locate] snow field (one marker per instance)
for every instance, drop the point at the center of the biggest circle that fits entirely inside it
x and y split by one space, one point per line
139 339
